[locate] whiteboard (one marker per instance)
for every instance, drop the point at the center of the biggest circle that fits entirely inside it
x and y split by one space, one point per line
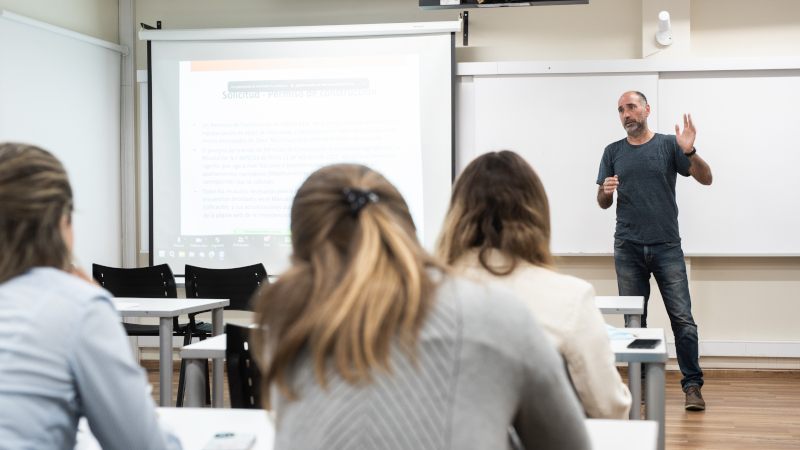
561 124
63 95
746 132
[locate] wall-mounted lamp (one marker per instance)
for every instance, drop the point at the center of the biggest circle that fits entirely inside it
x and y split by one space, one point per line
664 35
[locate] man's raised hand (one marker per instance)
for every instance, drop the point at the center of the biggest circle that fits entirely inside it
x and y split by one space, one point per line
686 139
610 185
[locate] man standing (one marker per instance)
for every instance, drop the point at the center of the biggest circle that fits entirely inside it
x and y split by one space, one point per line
643 168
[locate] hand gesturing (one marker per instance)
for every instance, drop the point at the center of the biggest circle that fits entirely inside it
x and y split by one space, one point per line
686 139
610 184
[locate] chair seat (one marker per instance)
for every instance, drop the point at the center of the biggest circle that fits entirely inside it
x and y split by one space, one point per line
135 329
205 328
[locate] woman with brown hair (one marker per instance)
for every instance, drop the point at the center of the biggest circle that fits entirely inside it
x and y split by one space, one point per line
63 352
497 231
371 344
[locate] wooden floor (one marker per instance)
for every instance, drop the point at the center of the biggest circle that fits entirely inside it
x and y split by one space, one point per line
742 412
152 376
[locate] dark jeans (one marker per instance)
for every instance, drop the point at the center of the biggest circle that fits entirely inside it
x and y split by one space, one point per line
634 264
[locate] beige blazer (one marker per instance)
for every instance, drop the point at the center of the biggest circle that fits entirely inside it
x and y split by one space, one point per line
566 309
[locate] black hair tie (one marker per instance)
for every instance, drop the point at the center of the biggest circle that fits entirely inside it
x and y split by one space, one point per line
358 199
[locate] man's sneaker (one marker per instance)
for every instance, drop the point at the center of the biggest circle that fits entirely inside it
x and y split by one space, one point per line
694 399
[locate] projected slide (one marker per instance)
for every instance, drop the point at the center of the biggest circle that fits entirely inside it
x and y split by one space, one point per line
237 127
251 131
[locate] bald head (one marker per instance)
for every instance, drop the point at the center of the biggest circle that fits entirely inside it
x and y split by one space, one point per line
633 95
633 112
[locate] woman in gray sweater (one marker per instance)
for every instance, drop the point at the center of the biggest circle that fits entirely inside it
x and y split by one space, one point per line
373 345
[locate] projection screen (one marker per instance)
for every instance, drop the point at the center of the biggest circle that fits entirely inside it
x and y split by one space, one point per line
238 125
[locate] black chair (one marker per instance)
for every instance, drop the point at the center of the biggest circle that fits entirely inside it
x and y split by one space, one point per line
238 285
146 282
244 378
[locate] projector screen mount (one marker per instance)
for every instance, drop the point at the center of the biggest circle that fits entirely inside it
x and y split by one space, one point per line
460 4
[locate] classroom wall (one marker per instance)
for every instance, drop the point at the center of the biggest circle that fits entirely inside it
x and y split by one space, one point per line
727 291
728 28
747 299
607 29
96 18
733 299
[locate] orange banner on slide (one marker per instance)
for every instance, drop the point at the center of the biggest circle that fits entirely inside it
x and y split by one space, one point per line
299 63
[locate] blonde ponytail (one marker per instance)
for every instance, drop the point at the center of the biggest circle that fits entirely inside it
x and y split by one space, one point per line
357 281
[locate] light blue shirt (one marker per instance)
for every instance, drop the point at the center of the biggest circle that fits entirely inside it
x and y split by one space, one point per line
63 355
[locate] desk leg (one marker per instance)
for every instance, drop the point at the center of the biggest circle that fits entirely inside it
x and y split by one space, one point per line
635 373
635 386
655 408
217 385
165 360
195 383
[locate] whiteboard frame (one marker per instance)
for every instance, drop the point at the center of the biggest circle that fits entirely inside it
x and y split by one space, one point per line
627 65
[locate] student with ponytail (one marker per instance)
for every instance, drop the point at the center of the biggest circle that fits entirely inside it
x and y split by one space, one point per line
63 352
369 343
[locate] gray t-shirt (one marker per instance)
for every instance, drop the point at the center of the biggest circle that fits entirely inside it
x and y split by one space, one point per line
647 212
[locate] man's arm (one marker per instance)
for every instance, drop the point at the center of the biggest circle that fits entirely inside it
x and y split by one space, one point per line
700 170
111 386
605 194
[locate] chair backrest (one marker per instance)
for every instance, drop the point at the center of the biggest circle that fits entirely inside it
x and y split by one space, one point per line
237 284
244 378
144 282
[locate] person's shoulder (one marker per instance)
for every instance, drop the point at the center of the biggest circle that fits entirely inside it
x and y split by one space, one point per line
560 281
471 290
485 304
616 145
68 288
667 139
551 294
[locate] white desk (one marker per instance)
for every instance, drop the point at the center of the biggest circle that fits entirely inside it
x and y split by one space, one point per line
196 356
655 361
633 308
165 309
196 426
622 434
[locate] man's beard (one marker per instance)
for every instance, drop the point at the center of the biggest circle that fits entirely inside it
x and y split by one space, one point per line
635 127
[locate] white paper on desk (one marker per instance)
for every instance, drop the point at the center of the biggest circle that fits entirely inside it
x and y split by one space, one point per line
231 441
615 334
85 440
125 305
